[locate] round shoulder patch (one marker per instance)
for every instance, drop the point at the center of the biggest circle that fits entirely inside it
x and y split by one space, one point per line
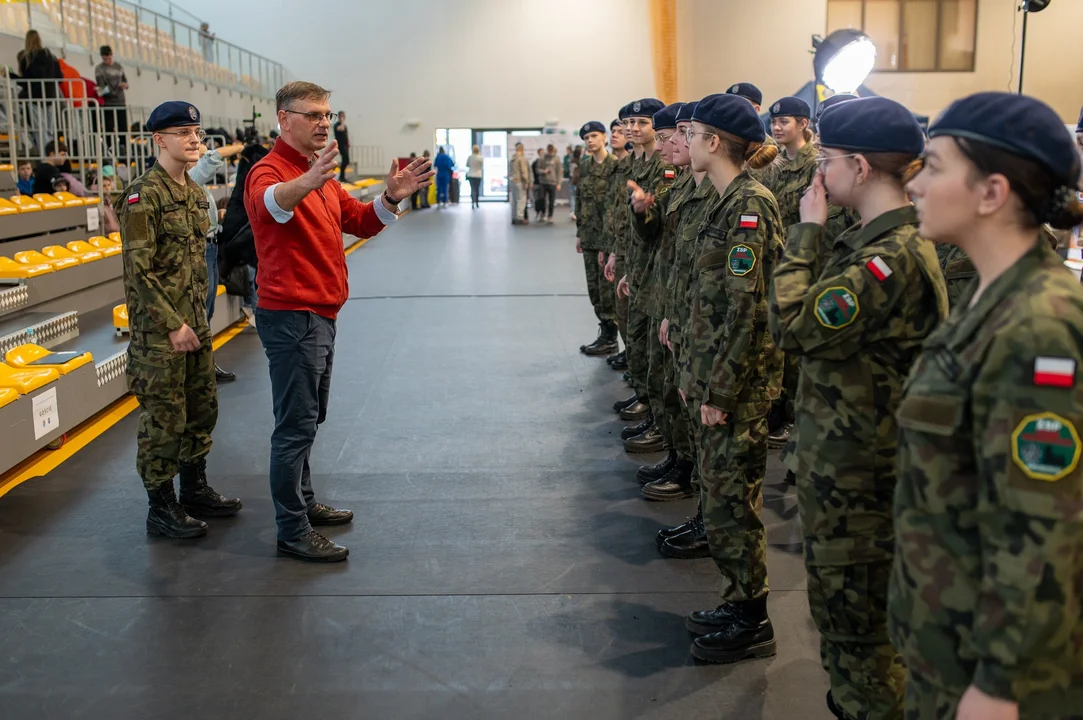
836 307
1046 446
742 259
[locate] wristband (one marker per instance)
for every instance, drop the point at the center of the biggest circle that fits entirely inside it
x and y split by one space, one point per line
390 200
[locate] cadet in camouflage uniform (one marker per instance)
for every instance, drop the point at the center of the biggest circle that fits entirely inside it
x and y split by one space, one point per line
163 225
987 585
688 540
857 320
648 173
616 191
589 210
731 373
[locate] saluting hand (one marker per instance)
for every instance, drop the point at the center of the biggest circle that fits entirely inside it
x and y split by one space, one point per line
976 705
641 199
416 176
184 339
611 268
623 289
322 170
814 201
710 416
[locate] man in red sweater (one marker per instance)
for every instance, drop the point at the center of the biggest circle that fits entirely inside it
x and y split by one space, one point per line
298 214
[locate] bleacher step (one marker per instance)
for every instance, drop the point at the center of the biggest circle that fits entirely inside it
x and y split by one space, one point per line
41 328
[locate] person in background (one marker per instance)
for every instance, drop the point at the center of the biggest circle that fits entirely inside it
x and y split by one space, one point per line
573 177
444 165
25 182
552 180
112 84
60 184
38 65
206 40
342 137
519 178
109 214
424 194
475 170
567 172
539 192
56 163
415 197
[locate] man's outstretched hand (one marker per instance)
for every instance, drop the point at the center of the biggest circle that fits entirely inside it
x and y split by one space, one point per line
401 184
321 171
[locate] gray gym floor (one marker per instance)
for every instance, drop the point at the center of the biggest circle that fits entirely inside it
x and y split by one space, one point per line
502 563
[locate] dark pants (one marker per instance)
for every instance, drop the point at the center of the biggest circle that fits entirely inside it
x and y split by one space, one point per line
300 349
116 120
442 184
549 199
344 162
475 190
212 276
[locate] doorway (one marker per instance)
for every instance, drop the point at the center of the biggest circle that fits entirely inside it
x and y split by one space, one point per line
459 142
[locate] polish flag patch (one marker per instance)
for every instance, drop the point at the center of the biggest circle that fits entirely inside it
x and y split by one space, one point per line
879 268
750 222
1054 372
670 174
133 198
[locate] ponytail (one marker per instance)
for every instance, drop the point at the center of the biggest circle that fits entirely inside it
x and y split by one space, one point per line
760 155
743 152
903 167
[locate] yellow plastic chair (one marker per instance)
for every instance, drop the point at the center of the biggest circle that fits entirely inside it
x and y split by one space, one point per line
84 248
57 252
26 204
33 257
32 356
8 396
10 269
70 200
47 201
120 320
7 207
26 381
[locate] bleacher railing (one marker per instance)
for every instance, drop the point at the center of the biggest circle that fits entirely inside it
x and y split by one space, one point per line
144 38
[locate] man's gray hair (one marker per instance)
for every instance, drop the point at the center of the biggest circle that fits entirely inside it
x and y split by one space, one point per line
299 90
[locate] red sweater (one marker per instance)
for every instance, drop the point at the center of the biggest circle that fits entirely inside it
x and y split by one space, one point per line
302 263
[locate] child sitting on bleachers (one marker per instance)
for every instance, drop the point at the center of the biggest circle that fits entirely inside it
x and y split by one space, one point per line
26 178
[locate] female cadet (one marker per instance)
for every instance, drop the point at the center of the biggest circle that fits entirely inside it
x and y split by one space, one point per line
987 588
731 372
856 312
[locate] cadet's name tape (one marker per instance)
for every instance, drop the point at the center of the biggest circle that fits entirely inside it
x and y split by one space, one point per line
879 268
1054 372
750 221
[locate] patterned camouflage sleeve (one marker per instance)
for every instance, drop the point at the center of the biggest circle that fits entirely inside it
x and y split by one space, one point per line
1030 506
828 317
739 267
584 174
648 225
138 229
838 220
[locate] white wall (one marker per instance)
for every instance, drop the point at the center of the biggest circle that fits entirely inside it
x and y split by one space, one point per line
452 63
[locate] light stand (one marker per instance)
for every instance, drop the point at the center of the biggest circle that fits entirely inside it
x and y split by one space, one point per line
1027 7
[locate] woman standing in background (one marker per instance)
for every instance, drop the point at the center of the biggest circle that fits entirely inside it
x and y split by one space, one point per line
474 173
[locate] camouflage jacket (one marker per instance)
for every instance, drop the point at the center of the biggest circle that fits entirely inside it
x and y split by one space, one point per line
959 272
988 578
685 252
655 178
618 224
857 324
590 202
789 179
730 361
656 231
163 229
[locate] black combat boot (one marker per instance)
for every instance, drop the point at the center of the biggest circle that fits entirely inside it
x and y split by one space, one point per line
780 437
606 343
835 709
734 631
635 412
621 404
613 358
674 485
167 517
223 375
650 473
651 441
671 532
635 430
198 498
689 545
791 478
621 363
627 377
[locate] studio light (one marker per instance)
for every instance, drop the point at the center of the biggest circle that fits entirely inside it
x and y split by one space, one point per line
844 59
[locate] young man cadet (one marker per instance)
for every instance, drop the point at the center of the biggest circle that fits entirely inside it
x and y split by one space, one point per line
648 173
616 181
590 241
163 225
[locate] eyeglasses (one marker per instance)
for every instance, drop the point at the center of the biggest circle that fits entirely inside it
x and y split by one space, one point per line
691 133
663 137
196 133
314 117
821 161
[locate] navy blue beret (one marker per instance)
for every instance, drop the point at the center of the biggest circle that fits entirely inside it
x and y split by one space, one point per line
732 114
646 107
687 111
747 90
1017 124
834 100
614 125
791 107
1079 125
622 114
174 113
873 124
592 126
666 118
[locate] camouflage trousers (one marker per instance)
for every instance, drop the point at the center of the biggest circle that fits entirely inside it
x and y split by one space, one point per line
598 288
670 415
791 374
620 304
848 576
732 461
178 408
638 348
925 700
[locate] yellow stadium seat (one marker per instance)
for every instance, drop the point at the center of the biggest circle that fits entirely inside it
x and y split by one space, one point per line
91 200
33 257
8 396
7 207
26 204
48 201
24 380
220 291
9 269
115 237
120 319
83 247
58 252
69 200
7 167
32 356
